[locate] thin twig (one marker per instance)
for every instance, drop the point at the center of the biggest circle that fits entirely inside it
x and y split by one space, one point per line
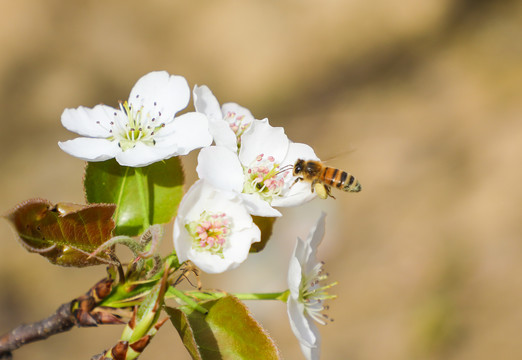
62 320
81 311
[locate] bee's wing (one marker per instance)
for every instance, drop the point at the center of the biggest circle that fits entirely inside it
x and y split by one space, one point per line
338 155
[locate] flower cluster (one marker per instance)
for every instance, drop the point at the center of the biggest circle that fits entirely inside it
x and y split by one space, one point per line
245 168
250 161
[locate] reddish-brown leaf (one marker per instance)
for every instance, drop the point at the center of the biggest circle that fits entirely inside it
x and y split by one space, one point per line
64 233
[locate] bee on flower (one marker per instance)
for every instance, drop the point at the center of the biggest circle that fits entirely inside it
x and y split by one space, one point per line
255 173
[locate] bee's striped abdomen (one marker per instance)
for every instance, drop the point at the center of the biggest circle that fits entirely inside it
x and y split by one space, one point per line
328 176
340 179
352 184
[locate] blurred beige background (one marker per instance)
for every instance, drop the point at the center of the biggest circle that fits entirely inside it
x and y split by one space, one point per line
426 96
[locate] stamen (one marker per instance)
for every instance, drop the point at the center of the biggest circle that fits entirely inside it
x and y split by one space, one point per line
123 108
264 178
312 294
210 232
237 123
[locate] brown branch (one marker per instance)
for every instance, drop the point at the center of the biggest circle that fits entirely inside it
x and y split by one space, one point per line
62 320
81 311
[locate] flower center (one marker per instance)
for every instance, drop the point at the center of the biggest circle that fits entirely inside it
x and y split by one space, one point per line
238 124
313 294
136 126
262 177
210 232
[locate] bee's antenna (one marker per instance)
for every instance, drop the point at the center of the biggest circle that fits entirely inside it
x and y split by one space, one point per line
284 168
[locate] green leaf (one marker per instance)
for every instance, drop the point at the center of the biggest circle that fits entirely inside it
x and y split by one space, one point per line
265 224
64 233
144 320
228 331
160 184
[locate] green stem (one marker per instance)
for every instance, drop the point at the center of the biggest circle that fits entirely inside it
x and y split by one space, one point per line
261 296
144 195
209 295
186 299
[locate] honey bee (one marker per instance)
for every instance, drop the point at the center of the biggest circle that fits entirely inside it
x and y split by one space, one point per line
322 178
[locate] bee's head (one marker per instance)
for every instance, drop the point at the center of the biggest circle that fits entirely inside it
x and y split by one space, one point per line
299 166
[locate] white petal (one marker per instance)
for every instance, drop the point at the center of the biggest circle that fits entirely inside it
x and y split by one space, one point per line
190 199
240 242
312 353
205 102
204 196
303 327
90 149
299 151
182 240
186 133
298 194
209 263
305 251
235 253
141 155
93 122
295 271
220 167
238 110
159 92
259 207
314 239
223 134
261 138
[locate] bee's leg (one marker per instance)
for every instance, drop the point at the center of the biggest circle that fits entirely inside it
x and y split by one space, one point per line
322 190
329 191
296 180
312 186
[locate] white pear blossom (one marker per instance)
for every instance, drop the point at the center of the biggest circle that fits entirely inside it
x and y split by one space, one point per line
256 172
307 294
143 130
227 123
213 229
